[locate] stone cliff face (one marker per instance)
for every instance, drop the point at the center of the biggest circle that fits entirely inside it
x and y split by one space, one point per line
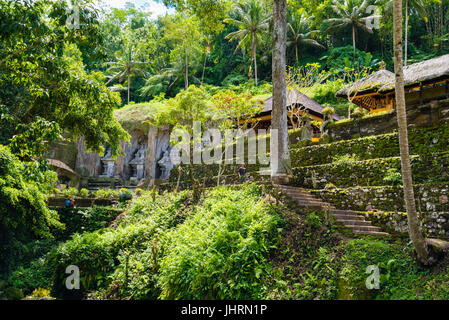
142 158
146 156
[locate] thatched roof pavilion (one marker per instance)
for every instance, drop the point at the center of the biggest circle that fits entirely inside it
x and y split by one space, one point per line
369 84
424 81
294 97
297 105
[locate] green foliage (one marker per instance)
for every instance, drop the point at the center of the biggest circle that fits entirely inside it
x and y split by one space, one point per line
36 275
107 194
313 220
99 253
70 192
138 115
166 245
84 193
400 275
79 220
393 177
220 252
44 90
345 159
23 209
13 293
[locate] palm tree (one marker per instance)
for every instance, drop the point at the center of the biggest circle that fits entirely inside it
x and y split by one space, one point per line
125 66
410 6
412 217
252 22
350 14
300 33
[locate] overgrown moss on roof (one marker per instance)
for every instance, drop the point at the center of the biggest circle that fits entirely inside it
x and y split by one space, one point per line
134 116
383 81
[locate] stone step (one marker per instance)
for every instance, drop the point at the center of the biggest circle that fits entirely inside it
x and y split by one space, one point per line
314 201
292 194
365 228
377 233
352 223
345 212
340 217
309 205
349 218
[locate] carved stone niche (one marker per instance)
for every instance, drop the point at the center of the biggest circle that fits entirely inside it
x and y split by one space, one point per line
107 165
137 164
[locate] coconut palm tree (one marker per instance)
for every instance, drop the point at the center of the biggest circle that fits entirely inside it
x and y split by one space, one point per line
350 13
411 6
125 67
300 33
415 233
252 22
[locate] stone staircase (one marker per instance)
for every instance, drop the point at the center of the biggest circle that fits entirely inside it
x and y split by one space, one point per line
348 218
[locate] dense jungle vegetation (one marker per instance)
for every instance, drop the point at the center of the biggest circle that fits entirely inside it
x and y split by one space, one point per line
106 74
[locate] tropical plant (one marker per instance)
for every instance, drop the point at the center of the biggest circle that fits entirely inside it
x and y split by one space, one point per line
125 66
252 22
350 13
413 225
300 32
411 6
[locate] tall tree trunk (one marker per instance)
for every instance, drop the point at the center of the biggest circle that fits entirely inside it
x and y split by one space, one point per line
353 43
406 33
204 68
415 233
254 58
186 76
280 161
129 83
296 53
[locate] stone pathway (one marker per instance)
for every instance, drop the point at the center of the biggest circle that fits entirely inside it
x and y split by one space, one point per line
348 218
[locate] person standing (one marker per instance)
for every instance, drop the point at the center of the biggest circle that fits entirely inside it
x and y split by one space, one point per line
242 173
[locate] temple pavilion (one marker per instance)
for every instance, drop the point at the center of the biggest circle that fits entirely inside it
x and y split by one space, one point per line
424 82
297 105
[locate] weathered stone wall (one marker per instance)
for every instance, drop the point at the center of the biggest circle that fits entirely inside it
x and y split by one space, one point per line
425 115
429 197
372 172
64 151
384 206
434 224
421 141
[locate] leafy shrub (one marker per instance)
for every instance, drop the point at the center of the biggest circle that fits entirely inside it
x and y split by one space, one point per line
36 275
84 193
401 277
221 251
393 177
313 220
70 192
85 219
100 254
345 158
23 209
40 293
13 293
106 194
